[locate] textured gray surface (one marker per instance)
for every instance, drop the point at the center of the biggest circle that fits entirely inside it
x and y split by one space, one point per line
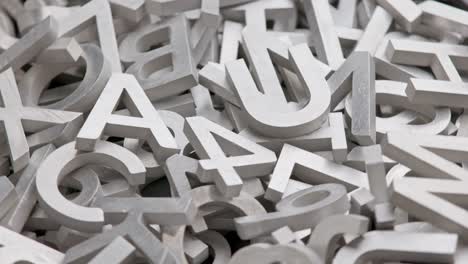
233 131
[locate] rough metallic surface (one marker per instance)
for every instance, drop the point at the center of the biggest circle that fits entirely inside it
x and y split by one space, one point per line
233 131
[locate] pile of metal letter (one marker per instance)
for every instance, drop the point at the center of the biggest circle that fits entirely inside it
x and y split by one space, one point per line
234 131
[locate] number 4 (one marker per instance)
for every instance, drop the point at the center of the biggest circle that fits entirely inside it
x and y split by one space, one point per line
226 157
